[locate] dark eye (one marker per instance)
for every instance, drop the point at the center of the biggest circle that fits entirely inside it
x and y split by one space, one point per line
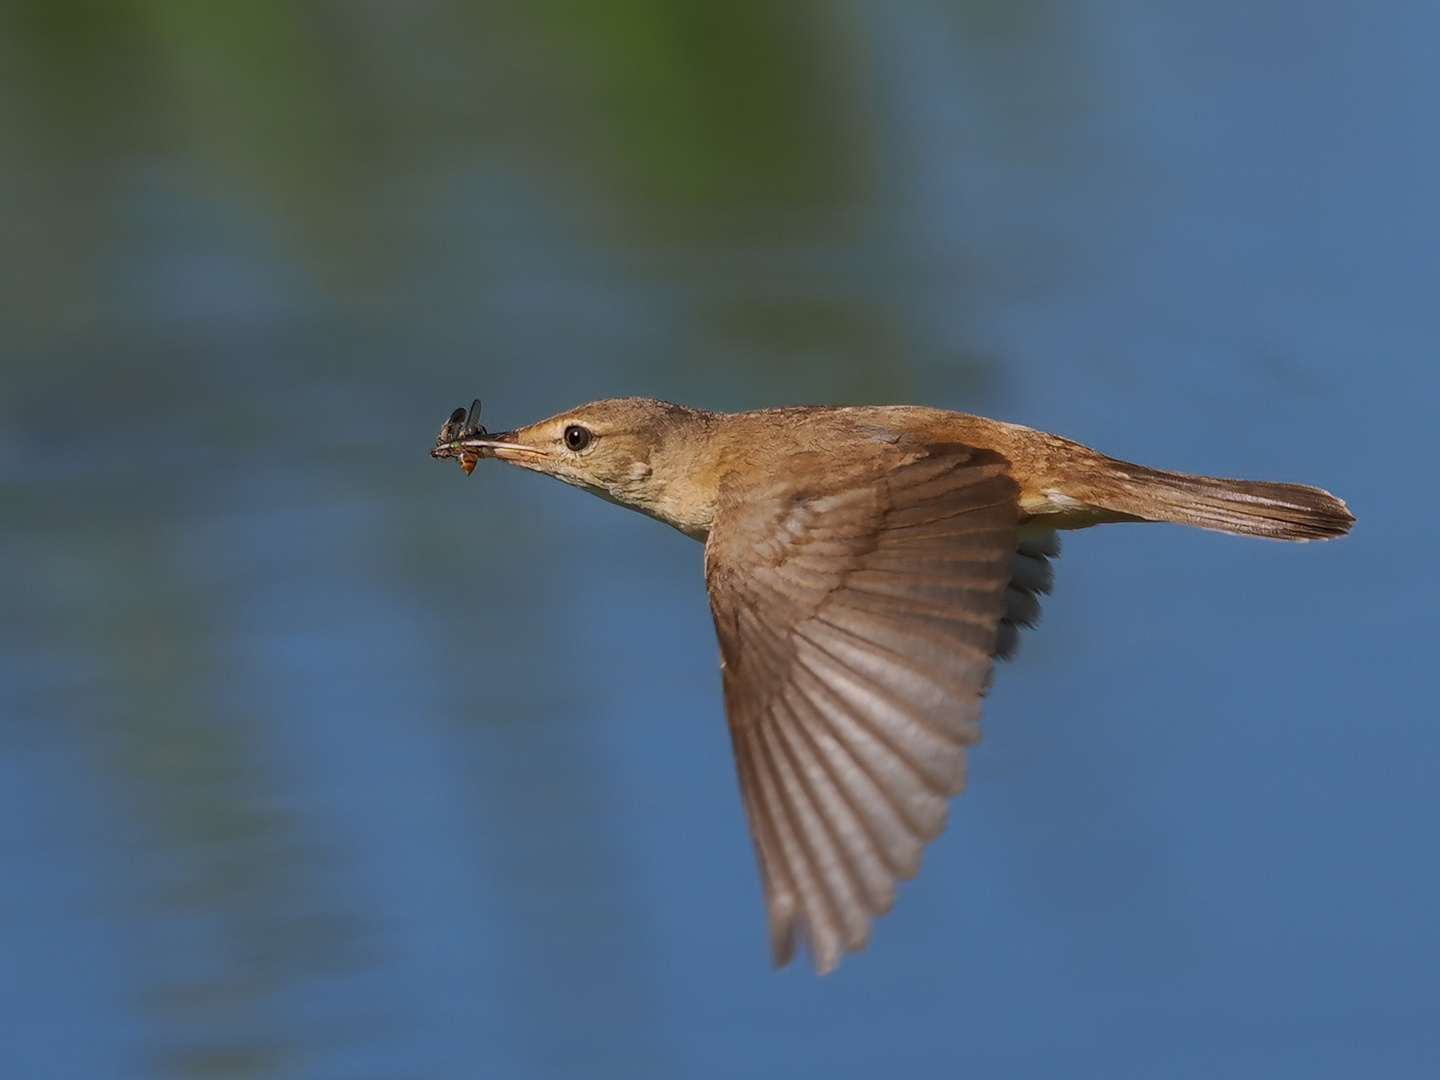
577 437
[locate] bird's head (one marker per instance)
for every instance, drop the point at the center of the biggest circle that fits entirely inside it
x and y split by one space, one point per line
631 451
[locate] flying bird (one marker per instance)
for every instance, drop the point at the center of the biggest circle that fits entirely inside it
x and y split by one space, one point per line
864 566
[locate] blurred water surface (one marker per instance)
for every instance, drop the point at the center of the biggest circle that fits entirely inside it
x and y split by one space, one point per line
318 759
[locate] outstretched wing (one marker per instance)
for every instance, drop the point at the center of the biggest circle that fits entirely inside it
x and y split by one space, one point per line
857 620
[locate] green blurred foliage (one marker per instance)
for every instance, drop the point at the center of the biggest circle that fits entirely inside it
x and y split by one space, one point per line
313 110
715 104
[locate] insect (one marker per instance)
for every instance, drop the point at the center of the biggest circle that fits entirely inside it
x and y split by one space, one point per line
462 425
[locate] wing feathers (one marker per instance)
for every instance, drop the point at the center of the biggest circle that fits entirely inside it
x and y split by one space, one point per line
781 893
788 855
857 623
830 782
909 789
827 898
915 668
857 760
1030 577
907 730
843 850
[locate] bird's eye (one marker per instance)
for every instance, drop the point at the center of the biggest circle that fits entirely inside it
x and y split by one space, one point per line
577 437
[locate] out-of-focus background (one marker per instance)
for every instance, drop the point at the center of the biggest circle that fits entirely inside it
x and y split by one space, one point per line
319 759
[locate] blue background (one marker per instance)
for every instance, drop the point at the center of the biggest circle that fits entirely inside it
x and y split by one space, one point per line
319 759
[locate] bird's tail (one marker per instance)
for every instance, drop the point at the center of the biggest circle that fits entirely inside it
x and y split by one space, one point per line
1252 507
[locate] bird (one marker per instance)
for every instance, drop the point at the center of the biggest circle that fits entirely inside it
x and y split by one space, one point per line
865 566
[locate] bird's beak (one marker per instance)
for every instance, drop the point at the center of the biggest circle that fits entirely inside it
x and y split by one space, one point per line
470 450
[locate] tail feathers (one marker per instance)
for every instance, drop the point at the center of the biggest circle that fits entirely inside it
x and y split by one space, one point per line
1252 507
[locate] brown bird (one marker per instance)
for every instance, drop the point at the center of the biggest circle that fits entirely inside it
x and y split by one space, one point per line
864 567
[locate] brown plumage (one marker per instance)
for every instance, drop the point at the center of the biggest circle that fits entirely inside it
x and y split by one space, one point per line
864 565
